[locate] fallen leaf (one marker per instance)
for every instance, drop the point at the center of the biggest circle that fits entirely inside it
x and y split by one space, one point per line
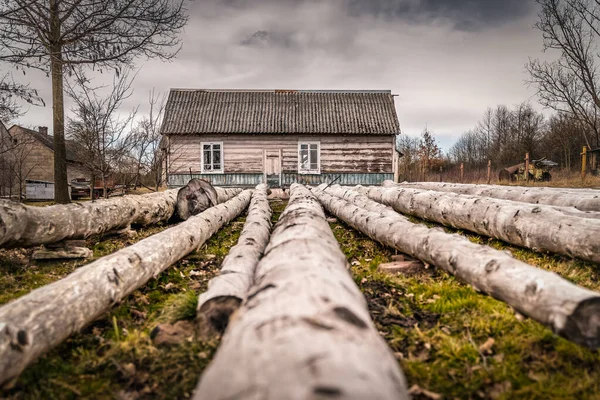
416 390
487 346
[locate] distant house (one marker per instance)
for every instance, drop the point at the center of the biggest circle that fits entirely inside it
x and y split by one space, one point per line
36 153
245 137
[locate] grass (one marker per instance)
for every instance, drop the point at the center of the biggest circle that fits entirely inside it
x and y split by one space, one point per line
439 329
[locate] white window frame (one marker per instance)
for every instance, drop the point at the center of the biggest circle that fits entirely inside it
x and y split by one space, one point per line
213 171
310 172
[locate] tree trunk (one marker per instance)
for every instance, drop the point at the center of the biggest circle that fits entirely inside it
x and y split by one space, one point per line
537 227
25 226
304 331
61 184
571 311
227 290
55 311
582 199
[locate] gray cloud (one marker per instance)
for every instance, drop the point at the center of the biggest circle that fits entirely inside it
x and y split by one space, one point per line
467 15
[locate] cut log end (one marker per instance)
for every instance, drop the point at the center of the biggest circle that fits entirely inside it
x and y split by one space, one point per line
583 325
213 315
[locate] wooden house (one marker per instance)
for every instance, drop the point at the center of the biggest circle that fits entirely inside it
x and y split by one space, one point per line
245 137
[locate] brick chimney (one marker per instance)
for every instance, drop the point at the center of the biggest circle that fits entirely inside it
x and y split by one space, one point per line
43 130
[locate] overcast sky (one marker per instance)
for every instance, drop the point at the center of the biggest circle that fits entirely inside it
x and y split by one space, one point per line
447 60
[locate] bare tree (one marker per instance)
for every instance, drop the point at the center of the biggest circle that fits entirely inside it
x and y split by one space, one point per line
56 35
98 132
570 83
146 140
10 94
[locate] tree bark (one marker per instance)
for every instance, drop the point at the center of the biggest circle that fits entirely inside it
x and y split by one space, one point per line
569 310
61 184
226 291
25 226
537 227
40 320
582 199
304 331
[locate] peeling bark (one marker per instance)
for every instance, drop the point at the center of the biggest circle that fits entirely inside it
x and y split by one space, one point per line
537 227
226 291
40 320
304 331
584 200
569 310
26 226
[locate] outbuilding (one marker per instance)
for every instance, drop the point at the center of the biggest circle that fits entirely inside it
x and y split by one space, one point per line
245 137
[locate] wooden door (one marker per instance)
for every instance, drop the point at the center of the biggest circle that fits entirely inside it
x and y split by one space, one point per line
272 167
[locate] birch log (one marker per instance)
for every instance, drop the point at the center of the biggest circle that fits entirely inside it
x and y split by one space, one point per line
25 226
537 227
569 310
227 290
304 331
40 320
582 201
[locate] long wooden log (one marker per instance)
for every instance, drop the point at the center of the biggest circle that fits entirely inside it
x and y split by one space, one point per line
227 290
25 226
468 186
40 320
304 331
537 227
581 201
569 310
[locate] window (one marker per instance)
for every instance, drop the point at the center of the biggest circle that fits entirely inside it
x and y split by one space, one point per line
309 158
212 158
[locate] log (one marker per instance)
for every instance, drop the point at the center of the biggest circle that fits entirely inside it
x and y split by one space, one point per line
569 310
537 227
27 226
40 320
304 331
584 201
227 290
195 197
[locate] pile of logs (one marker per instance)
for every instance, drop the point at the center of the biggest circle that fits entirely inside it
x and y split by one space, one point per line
294 323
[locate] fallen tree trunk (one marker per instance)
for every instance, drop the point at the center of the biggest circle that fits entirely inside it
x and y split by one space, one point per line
26 226
582 201
227 290
537 227
569 310
304 331
469 186
40 320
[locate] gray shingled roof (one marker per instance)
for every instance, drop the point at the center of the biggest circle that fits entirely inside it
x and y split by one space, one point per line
273 111
48 141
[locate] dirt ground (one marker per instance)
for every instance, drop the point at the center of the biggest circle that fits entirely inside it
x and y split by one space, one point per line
450 341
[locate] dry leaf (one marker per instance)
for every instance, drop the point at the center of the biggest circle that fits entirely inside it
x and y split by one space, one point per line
416 389
487 346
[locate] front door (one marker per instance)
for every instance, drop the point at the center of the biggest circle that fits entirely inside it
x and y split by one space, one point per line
273 167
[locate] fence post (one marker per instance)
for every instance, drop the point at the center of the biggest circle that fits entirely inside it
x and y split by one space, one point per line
462 172
489 171
583 162
526 167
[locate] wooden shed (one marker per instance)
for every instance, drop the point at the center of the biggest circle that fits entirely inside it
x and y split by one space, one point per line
245 137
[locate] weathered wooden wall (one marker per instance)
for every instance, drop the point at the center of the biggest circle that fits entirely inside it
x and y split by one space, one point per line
244 153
